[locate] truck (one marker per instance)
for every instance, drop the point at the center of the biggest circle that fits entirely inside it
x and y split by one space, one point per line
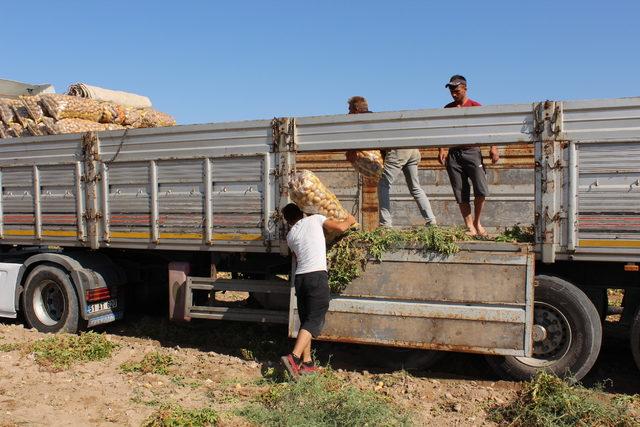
180 215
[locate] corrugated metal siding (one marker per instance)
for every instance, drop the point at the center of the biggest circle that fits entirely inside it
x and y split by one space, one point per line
17 192
609 191
511 183
498 124
602 119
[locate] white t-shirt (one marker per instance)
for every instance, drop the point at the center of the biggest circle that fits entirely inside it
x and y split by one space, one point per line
306 240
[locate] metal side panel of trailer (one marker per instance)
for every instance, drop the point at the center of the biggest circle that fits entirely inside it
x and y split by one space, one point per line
200 187
478 300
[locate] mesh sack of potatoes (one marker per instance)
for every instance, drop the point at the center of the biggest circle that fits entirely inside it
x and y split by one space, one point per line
21 115
312 197
33 106
147 118
6 110
71 107
80 125
112 113
15 130
368 163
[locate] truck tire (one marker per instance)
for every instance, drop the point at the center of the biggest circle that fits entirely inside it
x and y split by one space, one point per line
635 338
569 331
50 302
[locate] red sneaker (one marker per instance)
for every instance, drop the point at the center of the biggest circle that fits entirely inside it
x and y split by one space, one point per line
309 369
290 365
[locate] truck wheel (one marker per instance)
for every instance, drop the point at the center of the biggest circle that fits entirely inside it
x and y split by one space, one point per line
567 334
635 338
49 301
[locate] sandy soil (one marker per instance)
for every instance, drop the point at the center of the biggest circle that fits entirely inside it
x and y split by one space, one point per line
222 365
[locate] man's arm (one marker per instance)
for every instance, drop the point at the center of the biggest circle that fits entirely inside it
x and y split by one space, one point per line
493 153
442 156
339 226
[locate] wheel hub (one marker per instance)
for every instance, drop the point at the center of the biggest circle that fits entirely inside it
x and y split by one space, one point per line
49 302
551 336
539 333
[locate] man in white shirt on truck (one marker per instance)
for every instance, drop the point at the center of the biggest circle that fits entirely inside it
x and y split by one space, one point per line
307 243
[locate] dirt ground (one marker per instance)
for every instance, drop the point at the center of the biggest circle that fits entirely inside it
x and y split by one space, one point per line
223 364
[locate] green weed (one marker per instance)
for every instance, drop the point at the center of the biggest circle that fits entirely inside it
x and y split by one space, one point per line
517 234
321 400
5 347
550 401
61 351
181 381
175 415
152 363
348 256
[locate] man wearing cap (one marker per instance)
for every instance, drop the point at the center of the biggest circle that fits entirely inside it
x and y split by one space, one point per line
464 163
395 161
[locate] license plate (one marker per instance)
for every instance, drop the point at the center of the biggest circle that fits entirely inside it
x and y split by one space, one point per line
106 305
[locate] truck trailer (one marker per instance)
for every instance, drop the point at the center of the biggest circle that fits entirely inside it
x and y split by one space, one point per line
91 222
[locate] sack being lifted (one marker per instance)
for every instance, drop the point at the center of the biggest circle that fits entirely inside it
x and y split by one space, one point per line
312 197
368 163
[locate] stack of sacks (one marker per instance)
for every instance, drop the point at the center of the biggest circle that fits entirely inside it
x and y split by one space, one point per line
368 163
51 114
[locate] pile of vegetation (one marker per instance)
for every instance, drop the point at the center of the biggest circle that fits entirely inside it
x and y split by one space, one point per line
322 400
517 234
550 401
152 363
174 415
60 351
348 256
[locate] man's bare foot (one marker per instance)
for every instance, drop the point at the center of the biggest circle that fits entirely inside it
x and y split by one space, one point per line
471 231
480 231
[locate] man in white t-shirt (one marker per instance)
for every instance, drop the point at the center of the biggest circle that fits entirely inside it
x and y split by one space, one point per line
306 241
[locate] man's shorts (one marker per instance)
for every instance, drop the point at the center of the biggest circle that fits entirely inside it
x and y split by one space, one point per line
312 294
464 164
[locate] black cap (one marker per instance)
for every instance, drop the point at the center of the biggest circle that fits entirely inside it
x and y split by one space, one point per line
455 81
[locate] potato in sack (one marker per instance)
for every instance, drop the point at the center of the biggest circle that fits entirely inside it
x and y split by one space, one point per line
368 163
310 194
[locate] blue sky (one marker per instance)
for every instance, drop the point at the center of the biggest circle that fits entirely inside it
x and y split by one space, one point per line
206 61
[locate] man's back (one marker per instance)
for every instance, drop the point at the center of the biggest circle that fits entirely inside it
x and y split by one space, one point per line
306 240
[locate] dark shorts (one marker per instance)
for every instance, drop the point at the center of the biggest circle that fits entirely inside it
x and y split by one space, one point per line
464 164
312 294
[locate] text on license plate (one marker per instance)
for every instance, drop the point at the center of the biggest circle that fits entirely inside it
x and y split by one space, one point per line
105 305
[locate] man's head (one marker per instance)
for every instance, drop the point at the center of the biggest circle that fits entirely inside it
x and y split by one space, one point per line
458 87
358 105
292 213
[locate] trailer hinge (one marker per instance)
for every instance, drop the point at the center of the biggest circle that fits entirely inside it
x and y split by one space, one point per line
548 112
91 216
556 217
283 134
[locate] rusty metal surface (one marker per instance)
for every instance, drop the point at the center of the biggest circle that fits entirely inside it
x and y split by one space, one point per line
431 281
429 333
511 183
473 301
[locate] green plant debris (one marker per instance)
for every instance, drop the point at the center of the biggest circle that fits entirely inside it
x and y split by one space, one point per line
152 363
175 416
550 401
247 354
6 347
61 351
322 400
181 381
348 256
517 234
